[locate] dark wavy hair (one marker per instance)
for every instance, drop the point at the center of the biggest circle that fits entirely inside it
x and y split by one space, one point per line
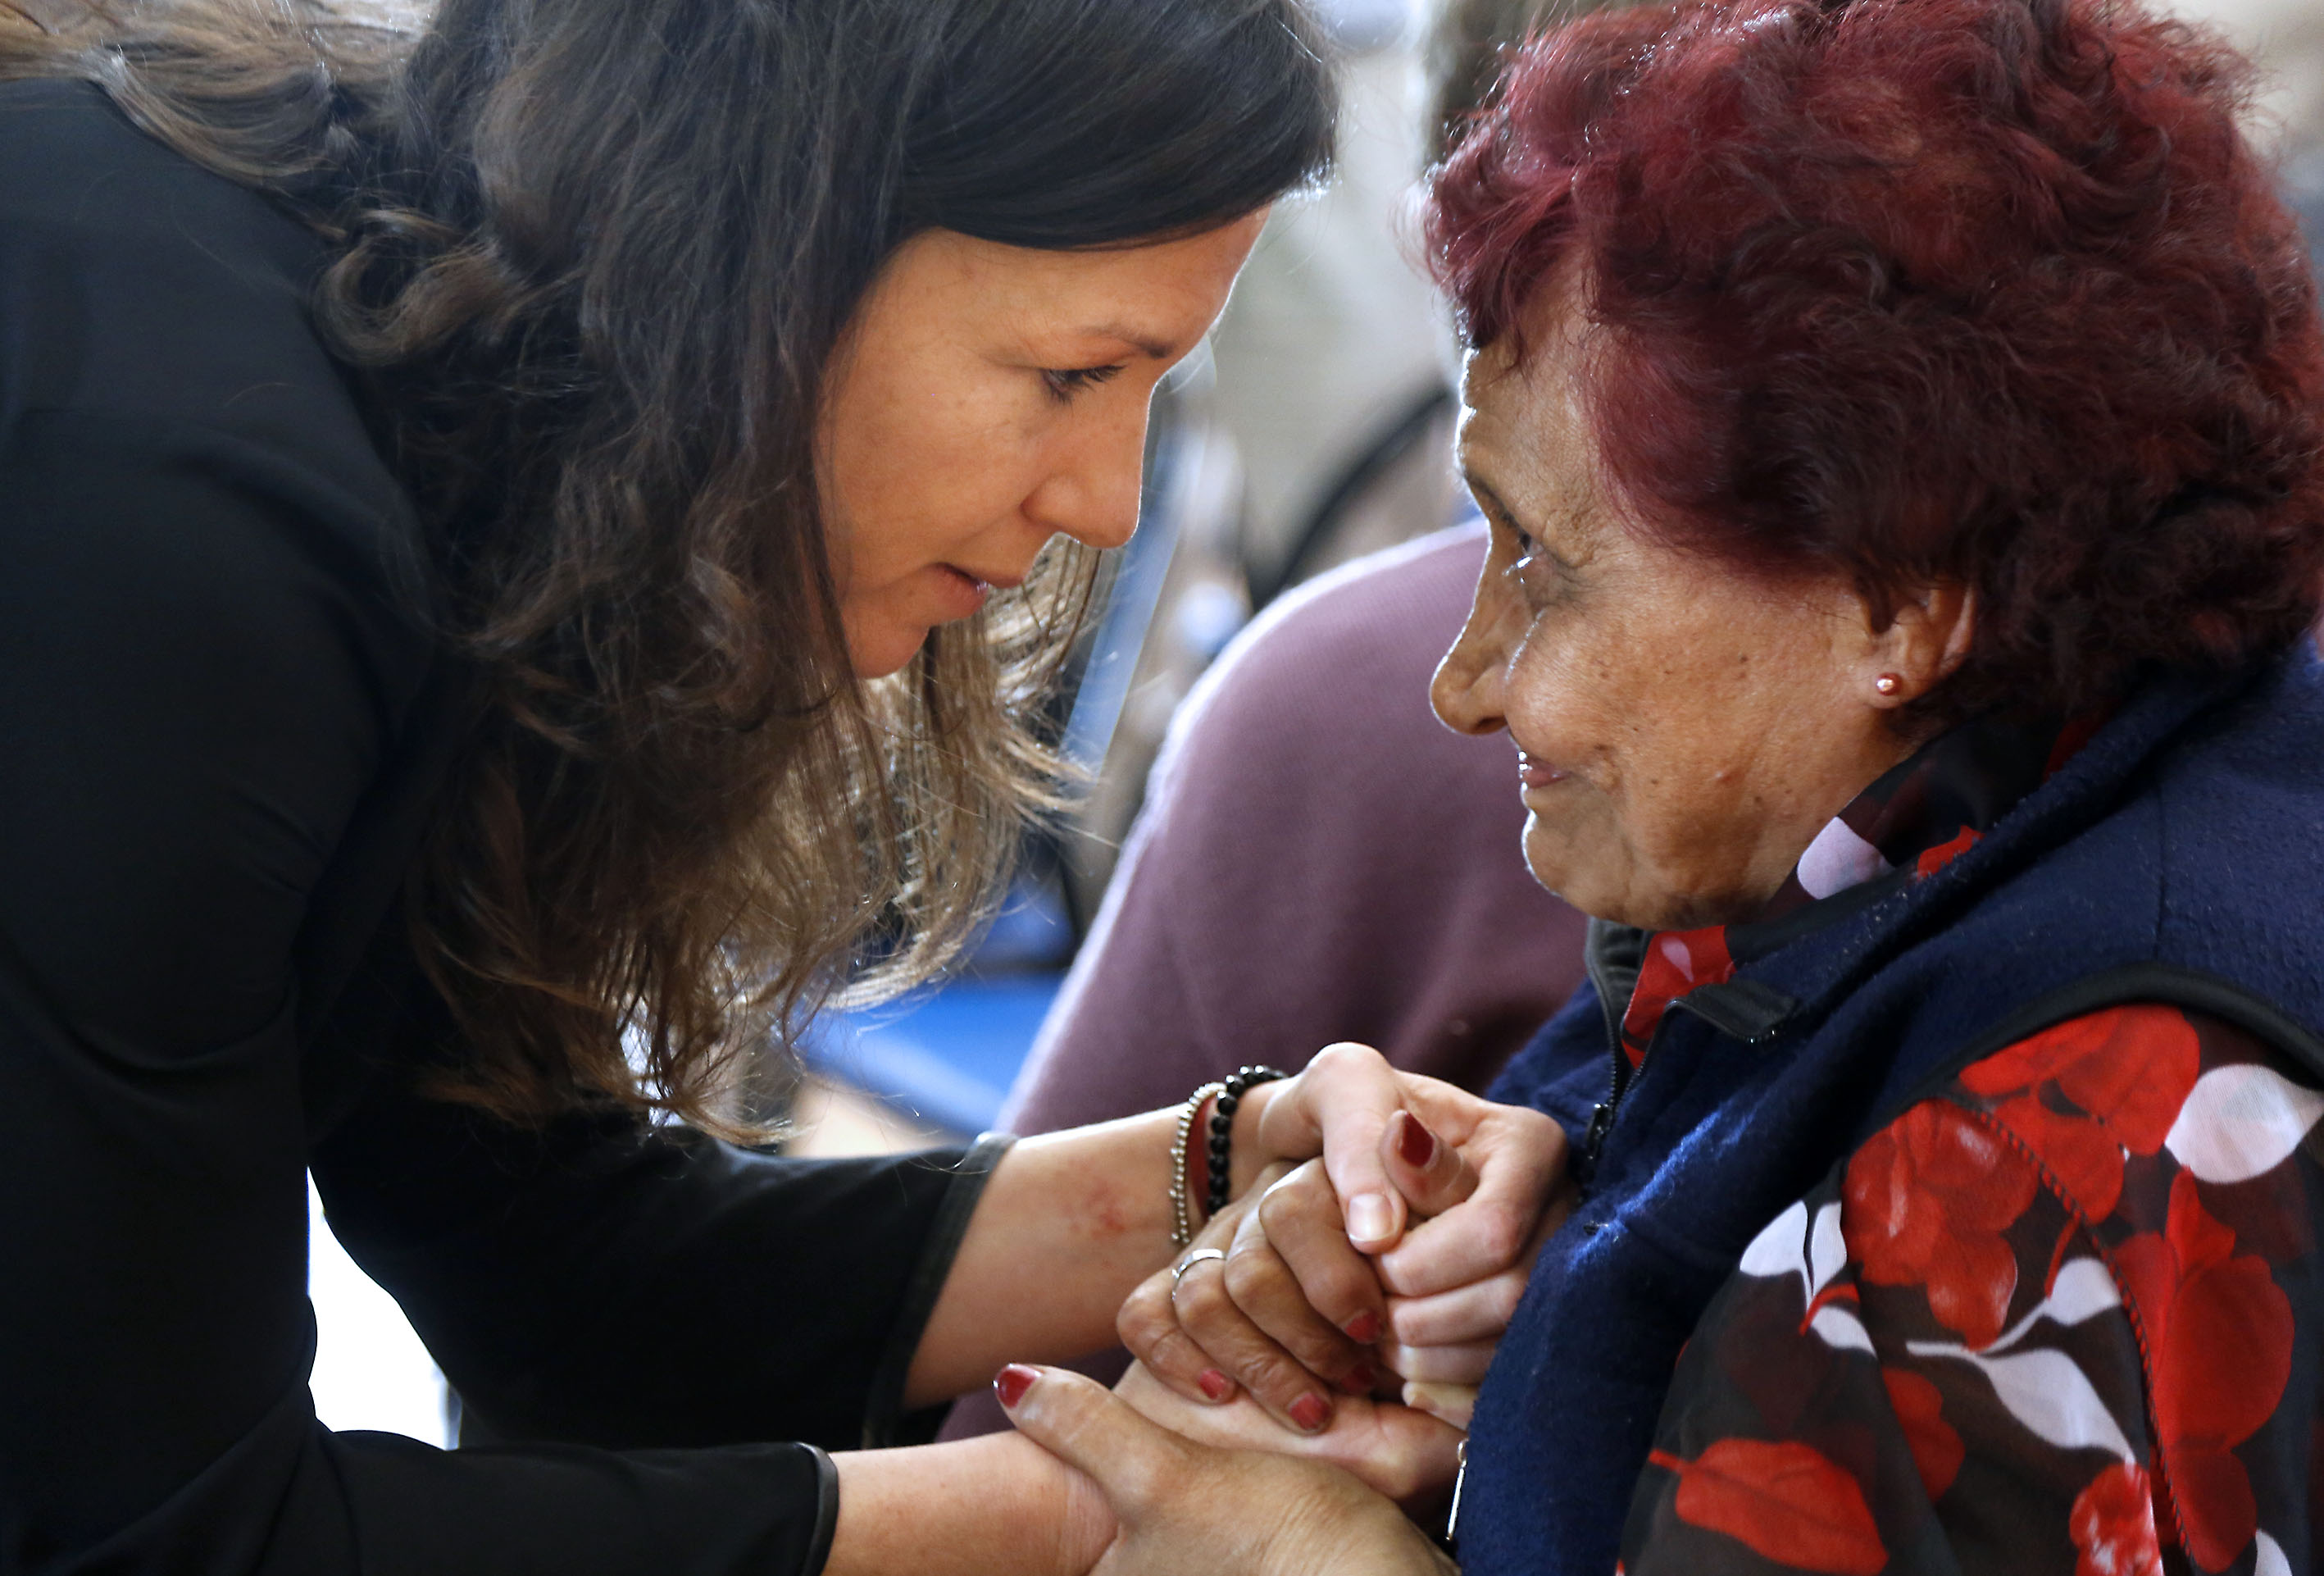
1986 290
593 257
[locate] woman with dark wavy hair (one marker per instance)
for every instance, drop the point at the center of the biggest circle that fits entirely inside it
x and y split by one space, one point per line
529 555
1902 428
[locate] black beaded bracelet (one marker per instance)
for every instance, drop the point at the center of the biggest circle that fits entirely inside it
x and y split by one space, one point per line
1222 1168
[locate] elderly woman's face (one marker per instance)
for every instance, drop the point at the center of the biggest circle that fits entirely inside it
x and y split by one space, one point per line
1684 731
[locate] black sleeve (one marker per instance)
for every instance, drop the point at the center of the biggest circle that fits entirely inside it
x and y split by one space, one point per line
624 1287
209 682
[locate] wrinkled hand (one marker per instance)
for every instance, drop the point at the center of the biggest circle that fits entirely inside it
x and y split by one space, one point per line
1460 1192
1406 1455
1184 1508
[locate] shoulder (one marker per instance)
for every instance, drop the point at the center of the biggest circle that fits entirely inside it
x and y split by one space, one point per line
2090 1099
135 284
175 440
2112 1117
1399 608
2240 802
1341 660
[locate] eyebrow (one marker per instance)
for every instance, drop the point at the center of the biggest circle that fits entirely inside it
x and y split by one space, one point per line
1154 349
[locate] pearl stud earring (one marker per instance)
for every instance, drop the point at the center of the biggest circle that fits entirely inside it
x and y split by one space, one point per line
1888 683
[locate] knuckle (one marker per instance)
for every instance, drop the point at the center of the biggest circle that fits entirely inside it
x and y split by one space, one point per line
1343 1057
1322 1352
1276 1380
1144 1317
1500 1233
1501 1299
1175 1357
1539 1125
1251 1276
1201 1299
1410 1325
1136 1340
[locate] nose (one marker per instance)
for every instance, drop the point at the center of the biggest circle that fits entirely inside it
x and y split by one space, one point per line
1467 691
1091 492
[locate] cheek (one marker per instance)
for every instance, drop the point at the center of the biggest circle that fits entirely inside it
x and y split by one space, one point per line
919 465
1567 697
1642 716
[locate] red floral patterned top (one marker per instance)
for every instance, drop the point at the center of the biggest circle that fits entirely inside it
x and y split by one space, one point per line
2062 1316
2066 1314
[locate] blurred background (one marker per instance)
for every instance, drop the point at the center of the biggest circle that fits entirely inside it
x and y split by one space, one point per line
1313 428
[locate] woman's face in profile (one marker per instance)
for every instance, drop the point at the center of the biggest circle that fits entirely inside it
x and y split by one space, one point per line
987 398
1685 730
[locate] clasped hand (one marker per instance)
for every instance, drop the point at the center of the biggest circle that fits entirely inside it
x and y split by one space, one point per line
1347 1313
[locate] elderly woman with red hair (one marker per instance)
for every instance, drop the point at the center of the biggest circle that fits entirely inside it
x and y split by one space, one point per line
1902 427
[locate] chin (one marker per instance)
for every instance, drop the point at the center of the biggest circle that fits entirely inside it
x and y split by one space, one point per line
877 653
1604 889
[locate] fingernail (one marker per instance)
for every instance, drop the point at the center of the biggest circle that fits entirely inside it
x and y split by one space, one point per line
1451 1403
1415 1143
1012 1383
1364 1329
1309 1411
1368 1217
1215 1385
1359 1379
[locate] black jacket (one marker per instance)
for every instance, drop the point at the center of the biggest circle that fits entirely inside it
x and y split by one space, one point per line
223 729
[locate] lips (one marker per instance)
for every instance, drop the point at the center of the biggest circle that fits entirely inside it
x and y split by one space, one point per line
998 582
1534 772
960 594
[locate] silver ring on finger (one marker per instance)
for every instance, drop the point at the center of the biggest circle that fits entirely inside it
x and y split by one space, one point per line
1200 1255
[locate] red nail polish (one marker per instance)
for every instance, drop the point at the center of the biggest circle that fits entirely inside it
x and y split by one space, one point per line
1309 1411
1365 1328
1012 1383
1415 1143
1360 1380
1215 1385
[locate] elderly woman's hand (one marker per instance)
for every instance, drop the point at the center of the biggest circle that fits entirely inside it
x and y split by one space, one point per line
1188 1508
1293 1308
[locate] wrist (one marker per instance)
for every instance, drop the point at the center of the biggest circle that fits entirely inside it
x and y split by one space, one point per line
1251 1153
1189 1166
998 1503
1194 1168
1059 1515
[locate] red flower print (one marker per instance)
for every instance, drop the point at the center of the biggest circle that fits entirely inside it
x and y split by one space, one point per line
2129 1069
1784 1500
2113 1526
1926 1201
1920 1408
2219 1329
1677 961
1933 860
2079 1153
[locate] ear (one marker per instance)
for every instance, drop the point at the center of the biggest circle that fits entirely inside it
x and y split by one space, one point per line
1928 638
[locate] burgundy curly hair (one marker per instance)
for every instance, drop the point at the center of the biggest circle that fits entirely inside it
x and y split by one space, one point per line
1985 290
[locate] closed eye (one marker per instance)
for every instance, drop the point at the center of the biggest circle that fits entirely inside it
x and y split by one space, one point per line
1064 383
1543 574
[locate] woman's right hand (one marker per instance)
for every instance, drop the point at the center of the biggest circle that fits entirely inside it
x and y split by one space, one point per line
1188 1509
1296 1306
